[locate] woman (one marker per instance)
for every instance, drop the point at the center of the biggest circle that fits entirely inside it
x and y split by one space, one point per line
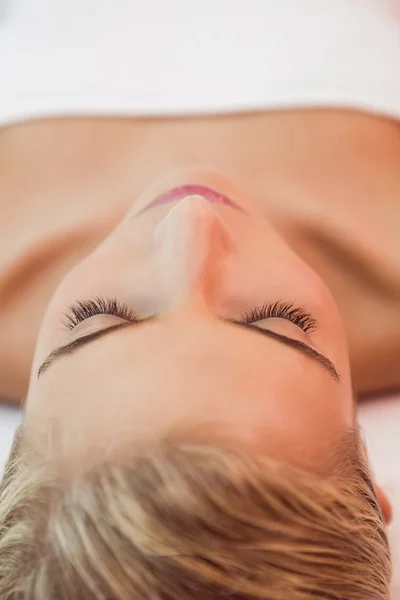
189 428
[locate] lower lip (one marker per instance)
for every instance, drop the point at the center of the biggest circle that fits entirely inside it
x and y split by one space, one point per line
181 192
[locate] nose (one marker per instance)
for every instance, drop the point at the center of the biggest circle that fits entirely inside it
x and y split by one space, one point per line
191 243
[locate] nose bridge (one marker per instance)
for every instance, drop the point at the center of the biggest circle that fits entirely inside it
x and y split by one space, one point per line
190 243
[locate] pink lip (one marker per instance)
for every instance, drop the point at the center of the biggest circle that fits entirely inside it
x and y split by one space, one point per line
181 192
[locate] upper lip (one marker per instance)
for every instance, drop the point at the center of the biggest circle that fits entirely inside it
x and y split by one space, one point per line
180 192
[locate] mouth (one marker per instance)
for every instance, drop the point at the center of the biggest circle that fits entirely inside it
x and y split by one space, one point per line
181 192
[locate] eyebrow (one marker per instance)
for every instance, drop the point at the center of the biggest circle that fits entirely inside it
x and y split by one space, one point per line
305 349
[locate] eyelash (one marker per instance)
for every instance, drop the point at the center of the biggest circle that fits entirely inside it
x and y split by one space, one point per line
283 310
84 309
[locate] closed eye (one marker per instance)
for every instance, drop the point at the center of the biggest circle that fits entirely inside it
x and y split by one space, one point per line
84 309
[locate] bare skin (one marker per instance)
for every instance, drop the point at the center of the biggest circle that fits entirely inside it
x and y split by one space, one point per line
329 181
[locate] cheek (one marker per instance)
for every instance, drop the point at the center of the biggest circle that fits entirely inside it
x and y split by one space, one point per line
83 281
265 273
112 270
300 283
93 276
280 275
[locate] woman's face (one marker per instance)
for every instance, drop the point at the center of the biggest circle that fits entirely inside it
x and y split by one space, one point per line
208 319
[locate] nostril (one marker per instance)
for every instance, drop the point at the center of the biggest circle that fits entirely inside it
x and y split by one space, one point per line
190 221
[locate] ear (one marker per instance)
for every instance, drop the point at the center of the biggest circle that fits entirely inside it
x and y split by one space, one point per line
384 502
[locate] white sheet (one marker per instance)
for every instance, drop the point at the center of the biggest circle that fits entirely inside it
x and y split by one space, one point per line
380 419
126 58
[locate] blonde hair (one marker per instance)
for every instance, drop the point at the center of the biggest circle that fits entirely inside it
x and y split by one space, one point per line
191 521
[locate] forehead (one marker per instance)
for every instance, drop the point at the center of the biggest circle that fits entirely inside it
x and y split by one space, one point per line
141 384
